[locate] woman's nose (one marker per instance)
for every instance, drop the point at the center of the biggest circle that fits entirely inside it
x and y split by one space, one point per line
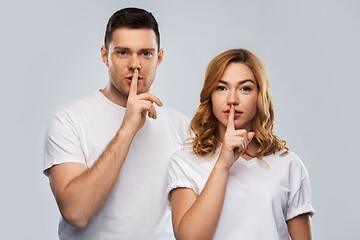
233 98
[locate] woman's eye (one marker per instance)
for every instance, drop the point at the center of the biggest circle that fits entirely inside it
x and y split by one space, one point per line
220 88
246 89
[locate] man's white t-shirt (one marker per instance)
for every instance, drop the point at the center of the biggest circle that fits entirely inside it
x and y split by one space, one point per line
258 199
136 207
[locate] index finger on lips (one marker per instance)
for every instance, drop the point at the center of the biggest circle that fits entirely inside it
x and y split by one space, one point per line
133 85
231 124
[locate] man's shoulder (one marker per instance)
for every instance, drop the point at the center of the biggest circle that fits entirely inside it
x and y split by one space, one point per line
79 105
172 114
173 122
171 111
81 101
173 117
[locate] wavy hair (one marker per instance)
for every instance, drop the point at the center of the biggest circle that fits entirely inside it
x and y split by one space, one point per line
204 124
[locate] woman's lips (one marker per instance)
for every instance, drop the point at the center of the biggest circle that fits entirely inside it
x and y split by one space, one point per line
236 115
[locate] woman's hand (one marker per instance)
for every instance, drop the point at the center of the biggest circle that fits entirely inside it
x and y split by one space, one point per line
235 142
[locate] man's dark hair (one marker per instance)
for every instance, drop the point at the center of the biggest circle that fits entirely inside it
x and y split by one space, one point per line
133 18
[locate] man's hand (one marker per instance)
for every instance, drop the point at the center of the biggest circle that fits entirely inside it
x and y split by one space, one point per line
235 142
138 106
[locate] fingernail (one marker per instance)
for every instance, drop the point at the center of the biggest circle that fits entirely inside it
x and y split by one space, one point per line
247 147
243 153
230 105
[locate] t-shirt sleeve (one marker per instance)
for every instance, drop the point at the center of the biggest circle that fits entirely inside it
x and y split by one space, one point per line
300 196
179 175
62 144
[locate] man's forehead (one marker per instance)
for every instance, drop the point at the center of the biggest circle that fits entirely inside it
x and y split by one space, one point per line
134 38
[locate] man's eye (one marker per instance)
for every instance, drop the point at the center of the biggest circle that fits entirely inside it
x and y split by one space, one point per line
121 52
146 54
220 88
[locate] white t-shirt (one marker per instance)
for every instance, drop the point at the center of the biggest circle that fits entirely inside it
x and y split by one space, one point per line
258 199
136 208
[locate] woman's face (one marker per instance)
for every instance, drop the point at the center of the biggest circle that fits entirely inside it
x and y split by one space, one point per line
237 86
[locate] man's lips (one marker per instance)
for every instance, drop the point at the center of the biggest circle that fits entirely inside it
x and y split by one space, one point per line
129 79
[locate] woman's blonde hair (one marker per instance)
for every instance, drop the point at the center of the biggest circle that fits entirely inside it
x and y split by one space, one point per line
204 124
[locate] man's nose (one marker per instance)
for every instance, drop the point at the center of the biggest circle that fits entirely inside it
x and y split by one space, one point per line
134 62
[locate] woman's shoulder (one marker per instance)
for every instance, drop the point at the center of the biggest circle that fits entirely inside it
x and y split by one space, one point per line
289 159
286 155
186 156
184 152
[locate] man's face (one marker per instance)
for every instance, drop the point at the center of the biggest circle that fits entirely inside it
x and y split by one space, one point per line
131 49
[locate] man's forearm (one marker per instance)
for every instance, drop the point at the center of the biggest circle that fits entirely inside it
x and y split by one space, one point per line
85 194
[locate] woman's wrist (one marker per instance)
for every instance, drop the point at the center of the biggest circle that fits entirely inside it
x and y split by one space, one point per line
222 166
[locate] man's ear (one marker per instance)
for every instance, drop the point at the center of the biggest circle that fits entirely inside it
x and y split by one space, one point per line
104 55
160 56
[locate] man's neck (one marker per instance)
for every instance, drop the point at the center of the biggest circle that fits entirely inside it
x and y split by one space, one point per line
114 96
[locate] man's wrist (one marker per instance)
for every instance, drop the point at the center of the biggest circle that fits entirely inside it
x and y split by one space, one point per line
126 133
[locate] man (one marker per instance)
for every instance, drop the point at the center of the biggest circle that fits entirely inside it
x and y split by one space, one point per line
106 162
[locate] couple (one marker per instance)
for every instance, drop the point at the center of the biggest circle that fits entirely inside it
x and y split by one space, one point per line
116 158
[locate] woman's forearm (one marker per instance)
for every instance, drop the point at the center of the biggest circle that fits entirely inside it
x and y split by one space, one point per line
300 227
200 221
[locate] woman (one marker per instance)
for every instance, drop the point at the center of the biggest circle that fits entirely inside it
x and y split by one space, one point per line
238 180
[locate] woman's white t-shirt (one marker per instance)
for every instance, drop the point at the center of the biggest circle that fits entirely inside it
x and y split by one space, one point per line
259 199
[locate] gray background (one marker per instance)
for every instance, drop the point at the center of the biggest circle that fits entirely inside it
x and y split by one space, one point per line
51 55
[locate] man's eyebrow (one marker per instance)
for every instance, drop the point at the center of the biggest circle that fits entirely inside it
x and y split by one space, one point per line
148 49
129 50
239 83
122 48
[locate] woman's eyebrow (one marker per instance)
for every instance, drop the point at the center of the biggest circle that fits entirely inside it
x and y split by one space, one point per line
239 83
245 81
223 82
